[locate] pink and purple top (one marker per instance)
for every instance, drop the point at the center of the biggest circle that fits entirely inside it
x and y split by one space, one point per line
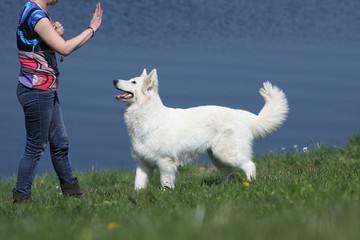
39 67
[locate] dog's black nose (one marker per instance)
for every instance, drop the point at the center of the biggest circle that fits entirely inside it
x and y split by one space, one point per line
116 81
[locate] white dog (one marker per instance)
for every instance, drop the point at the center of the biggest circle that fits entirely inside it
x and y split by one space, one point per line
165 138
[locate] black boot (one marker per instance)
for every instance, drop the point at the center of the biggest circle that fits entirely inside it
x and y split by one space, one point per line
19 197
71 189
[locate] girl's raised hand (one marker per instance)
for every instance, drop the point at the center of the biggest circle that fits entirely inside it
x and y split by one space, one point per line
97 18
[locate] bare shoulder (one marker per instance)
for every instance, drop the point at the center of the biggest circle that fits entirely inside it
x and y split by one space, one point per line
43 25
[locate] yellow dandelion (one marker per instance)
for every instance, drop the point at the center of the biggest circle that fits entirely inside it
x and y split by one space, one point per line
113 226
246 184
48 207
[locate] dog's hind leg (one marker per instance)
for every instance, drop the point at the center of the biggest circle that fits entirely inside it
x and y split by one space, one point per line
250 170
168 169
244 163
228 173
241 161
143 176
235 152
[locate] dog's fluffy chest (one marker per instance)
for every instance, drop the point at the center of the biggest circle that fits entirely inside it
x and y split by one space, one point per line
144 123
144 120
148 134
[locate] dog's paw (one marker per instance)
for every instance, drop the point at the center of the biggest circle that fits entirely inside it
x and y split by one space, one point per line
166 188
138 187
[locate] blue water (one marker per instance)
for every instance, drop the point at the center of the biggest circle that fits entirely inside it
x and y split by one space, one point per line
214 52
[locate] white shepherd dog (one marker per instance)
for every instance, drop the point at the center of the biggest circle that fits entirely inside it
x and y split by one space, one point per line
165 138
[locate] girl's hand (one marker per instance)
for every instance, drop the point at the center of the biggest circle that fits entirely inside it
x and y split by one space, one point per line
97 18
59 28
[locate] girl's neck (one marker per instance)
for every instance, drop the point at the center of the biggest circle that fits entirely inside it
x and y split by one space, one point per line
41 4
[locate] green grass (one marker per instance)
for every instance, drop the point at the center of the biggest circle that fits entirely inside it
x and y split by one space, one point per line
314 195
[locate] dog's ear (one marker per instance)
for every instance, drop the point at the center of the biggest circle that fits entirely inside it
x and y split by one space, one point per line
151 81
144 73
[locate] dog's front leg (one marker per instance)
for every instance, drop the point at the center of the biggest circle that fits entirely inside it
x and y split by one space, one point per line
143 176
168 169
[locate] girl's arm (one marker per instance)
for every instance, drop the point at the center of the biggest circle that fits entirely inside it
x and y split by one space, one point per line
47 33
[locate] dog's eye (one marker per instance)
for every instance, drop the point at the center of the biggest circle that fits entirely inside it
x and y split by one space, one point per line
134 82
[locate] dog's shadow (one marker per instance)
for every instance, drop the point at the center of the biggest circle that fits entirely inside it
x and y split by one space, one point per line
218 180
212 180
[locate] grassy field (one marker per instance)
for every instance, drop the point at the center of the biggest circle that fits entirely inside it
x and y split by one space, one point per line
313 195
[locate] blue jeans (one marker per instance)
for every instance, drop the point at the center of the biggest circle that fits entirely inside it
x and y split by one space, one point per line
44 124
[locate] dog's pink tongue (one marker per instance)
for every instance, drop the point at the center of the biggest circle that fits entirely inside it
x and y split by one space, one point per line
122 95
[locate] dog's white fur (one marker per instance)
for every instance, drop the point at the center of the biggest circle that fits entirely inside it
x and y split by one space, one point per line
165 138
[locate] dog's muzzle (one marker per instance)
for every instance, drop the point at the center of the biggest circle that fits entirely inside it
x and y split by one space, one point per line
126 96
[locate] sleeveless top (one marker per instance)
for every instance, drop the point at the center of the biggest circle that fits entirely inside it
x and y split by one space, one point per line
38 65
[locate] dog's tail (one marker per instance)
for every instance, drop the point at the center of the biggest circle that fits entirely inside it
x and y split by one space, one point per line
274 112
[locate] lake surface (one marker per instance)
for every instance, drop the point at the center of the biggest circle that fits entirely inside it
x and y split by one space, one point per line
206 53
